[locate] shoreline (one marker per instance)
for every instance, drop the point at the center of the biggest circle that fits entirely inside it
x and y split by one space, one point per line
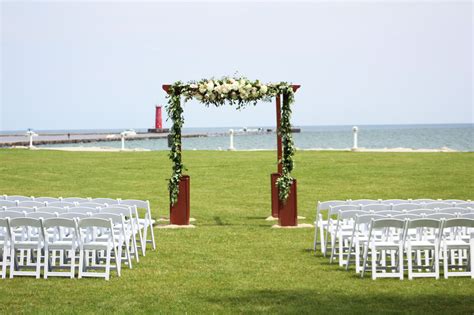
110 149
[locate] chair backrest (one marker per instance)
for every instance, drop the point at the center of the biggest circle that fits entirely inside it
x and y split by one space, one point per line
18 198
424 200
63 222
126 212
83 209
438 205
455 210
407 216
440 215
31 204
376 207
91 204
363 202
52 209
424 222
387 223
95 222
367 218
46 199
12 214
17 222
22 209
78 200
465 205
335 210
8 203
395 201
350 214
406 206
145 204
469 215
38 215
454 201
460 222
108 201
73 215
5 223
61 204
322 205
421 211
389 212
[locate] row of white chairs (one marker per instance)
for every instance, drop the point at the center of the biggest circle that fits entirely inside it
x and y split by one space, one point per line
360 234
334 206
145 223
60 245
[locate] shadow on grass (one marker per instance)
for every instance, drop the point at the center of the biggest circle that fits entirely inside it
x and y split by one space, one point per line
307 301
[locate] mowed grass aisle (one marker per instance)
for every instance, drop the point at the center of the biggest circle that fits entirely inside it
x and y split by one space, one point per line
233 262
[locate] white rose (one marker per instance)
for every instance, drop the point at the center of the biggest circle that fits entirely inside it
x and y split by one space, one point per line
226 88
193 86
232 81
210 86
202 88
235 86
263 89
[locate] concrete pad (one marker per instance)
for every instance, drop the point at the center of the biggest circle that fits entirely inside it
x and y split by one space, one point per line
174 226
299 226
270 218
164 219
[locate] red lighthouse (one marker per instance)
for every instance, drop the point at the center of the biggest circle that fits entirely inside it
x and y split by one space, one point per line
158 121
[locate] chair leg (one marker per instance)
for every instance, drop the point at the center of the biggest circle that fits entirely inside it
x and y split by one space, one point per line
366 252
4 262
46 262
445 252
73 262
436 261
357 257
81 263
38 263
400 261
12 262
410 263
315 242
373 250
107 264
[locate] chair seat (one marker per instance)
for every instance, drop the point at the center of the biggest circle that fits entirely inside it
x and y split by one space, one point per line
457 244
96 245
388 245
61 245
422 244
26 244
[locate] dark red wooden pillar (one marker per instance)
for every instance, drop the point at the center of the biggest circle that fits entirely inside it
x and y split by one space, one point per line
180 211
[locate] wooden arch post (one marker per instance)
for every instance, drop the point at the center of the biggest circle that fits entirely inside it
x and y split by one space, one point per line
286 212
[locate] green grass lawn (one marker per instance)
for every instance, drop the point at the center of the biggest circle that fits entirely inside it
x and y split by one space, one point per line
233 262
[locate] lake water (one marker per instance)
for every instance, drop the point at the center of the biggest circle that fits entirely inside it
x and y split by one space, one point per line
455 136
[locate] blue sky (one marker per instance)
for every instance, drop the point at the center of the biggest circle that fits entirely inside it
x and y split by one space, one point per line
85 65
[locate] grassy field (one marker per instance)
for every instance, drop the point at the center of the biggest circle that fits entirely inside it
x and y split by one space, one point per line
233 262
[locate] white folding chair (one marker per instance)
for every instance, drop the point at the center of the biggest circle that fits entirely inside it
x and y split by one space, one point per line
331 222
41 215
440 215
425 200
30 239
388 213
359 237
459 239
93 205
455 210
421 211
93 241
61 235
469 215
5 245
127 225
145 223
422 236
341 235
465 205
12 214
391 240
407 216
319 223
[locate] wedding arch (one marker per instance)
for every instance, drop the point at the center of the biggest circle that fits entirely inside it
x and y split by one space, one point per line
237 92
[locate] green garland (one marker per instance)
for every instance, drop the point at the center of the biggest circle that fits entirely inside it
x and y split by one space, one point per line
239 92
